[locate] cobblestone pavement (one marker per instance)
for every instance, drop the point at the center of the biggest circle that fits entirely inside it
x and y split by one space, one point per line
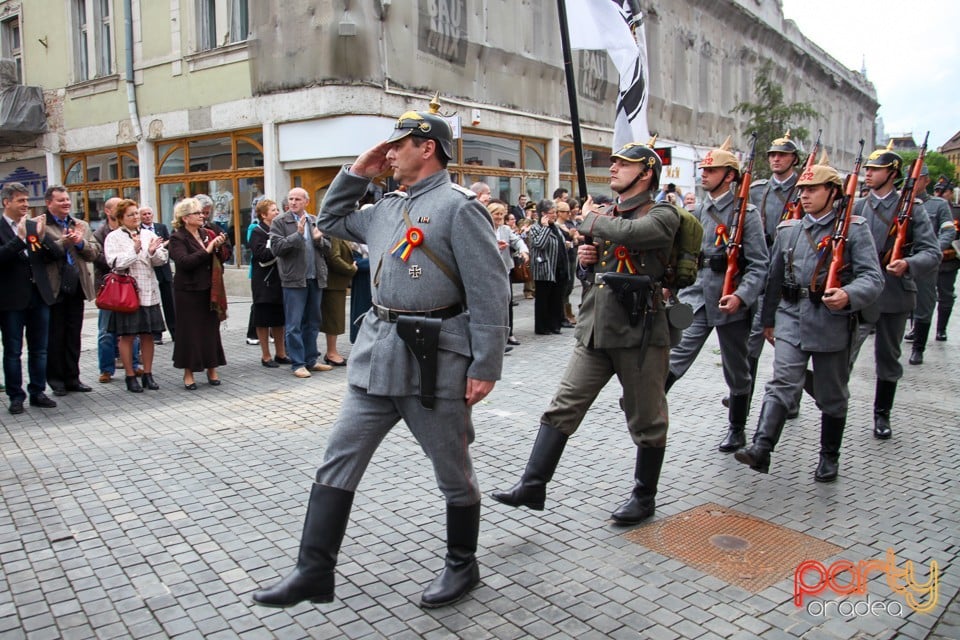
156 515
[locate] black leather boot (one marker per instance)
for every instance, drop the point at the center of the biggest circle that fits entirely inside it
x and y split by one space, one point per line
531 490
739 407
882 404
671 378
769 427
133 385
148 382
921 330
460 573
646 474
943 317
323 529
831 435
910 335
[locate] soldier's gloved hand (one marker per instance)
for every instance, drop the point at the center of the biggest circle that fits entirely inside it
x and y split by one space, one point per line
836 299
587 255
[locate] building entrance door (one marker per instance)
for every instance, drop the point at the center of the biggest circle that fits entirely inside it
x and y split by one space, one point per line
315 181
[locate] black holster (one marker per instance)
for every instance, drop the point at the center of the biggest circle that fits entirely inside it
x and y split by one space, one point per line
422 337
633 293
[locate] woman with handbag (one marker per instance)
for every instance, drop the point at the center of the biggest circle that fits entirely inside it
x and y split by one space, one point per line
199 294
513 253
136 251
265 285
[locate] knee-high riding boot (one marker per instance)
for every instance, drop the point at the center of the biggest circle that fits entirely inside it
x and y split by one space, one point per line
739 407
921 330
769 427
642 503
831 435
323 529
882 404
460 573
531 490
671 378
943 318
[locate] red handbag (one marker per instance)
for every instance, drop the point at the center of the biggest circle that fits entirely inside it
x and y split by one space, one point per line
118 293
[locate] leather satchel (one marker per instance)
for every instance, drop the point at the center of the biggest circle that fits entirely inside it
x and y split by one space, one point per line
118 293
521 272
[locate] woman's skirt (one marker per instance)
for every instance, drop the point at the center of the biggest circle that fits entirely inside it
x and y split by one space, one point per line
267 314
143 320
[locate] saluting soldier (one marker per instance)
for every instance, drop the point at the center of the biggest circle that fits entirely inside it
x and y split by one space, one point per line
807 325
730 314
434 262
622 330
941 220
889 314
949 262
770 197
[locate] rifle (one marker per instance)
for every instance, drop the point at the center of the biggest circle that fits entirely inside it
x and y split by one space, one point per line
842 228
735 246
791 206
898 230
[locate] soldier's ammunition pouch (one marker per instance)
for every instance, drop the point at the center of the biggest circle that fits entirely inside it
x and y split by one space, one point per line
633 293
794 293
422 337
717 262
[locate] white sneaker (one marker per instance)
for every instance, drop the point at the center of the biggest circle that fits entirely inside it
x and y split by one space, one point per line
253 341
301 372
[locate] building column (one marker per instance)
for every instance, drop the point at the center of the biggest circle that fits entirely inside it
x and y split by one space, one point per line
54 168
146 158
553 166
275 179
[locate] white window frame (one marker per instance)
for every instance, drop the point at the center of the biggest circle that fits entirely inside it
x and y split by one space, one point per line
8 25
219 23
92 30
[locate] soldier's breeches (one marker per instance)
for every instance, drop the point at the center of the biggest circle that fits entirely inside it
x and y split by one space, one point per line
733 350
945 285
445 434
685 354
926 297
831 373
644 403
756 340
886 345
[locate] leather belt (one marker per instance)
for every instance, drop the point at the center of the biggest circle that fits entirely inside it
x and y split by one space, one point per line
443 313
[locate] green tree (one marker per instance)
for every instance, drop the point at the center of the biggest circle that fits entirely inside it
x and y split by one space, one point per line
937 165
770 116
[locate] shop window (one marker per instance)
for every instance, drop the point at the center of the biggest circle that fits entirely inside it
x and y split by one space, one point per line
509 165
96 176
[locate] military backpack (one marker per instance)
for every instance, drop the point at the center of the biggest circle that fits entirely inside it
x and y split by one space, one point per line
683 264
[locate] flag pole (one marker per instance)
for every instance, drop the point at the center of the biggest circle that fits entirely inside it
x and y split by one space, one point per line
572 96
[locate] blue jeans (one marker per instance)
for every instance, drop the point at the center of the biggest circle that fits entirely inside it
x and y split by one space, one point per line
301 308
107 352
35 319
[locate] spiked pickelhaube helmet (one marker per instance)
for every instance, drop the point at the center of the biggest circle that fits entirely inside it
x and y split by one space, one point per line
820 173
641 153
721 157
425 124
885 157
785 145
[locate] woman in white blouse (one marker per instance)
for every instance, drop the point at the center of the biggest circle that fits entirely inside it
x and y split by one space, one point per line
136 251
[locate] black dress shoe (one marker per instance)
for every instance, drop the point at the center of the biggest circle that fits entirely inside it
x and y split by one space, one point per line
335 363
41 400
282 360
213 382
79 386
555 332
16 406
270 364
190 387
59 391
512 341
147 382
133 385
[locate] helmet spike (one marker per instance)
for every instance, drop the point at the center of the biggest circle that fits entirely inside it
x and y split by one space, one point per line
435 104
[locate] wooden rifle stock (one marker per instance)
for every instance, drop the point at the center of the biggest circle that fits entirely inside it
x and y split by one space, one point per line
791 206
735 246
905 208
842 228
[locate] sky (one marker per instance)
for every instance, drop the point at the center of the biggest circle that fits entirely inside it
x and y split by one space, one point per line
912 54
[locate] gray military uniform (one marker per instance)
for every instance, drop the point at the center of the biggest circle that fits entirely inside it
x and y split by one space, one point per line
383 376
939 213
899 294
704 295
769 197
806 329
607 343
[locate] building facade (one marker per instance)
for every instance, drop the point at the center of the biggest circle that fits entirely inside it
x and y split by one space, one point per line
234 98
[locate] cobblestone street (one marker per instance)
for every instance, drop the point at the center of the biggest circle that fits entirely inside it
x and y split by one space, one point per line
156 515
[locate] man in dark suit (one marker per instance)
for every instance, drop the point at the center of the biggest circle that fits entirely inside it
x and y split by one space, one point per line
71 279
25 249
164 274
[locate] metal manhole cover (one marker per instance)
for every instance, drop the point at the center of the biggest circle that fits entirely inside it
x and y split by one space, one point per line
737 548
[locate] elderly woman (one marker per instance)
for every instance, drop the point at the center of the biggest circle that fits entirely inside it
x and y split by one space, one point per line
137 251
548 251
510 245
265 285
198 294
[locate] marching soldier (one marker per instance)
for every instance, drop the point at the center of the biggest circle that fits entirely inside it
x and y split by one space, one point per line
731 314
810 326
889 314
949 263
622 330
437 265
940 215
